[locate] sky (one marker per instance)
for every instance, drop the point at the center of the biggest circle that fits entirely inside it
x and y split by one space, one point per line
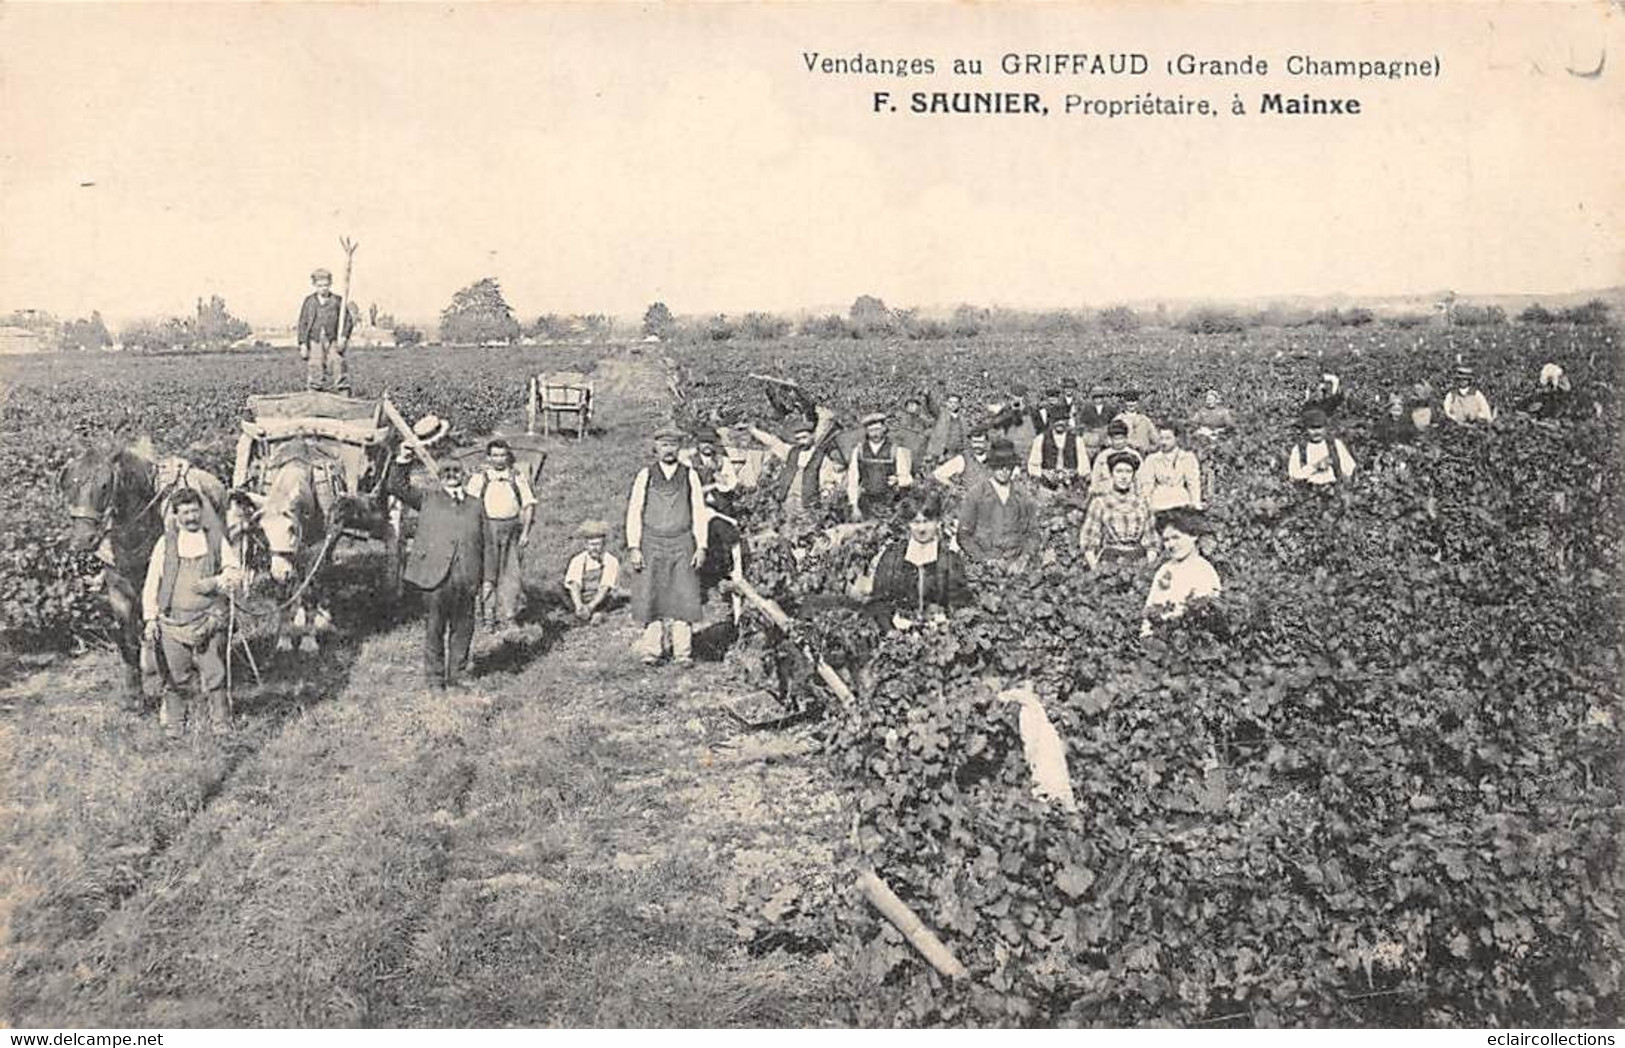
597 158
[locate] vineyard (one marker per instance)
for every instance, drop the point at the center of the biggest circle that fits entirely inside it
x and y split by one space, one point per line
1376 784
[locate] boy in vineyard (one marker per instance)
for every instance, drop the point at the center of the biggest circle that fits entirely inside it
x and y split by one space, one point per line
592 578
666 538
321 342
1117 526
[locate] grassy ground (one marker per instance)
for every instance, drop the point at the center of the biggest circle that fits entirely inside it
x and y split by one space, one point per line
578 841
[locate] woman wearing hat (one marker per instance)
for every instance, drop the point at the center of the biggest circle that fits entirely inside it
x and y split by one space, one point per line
880 468
998 521
666 539
1185 575
917 574
1118 524
1466 404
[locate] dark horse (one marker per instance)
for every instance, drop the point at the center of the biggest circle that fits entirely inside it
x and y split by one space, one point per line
117 495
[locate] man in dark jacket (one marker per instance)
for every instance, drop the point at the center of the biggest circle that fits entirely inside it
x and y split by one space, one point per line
320 340
447 563
998 521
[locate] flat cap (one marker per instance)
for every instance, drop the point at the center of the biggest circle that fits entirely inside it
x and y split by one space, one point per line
320 274
873 418
593 529
669 432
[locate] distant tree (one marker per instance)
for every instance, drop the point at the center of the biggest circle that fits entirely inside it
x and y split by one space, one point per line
1119 320
551 327
215 326
1467 315
86 334
1359 316
597 326
1535 313
478 314
154 336
870 316
1212 322
657 320
385 321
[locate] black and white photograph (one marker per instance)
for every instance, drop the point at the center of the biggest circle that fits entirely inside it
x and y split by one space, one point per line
812 516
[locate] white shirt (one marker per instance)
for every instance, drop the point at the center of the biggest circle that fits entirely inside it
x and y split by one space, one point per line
1318 468
1035 455
1171 478
952 468
498 497
188 545
640 491
1468 407
1179 581
609 571
726 478
1001 490
829 474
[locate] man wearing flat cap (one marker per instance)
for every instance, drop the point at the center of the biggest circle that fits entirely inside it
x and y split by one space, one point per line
998 522
593 576
321 343
969 467
880 468
666 534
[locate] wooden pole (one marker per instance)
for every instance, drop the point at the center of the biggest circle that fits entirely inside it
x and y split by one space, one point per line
411 438
923 939
776 615
349 247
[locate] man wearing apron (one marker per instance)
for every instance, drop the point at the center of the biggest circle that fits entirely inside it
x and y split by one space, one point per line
666 527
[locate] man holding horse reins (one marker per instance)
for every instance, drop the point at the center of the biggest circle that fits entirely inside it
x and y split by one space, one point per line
190 570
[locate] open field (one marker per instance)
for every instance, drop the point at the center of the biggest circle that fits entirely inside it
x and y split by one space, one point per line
1388 794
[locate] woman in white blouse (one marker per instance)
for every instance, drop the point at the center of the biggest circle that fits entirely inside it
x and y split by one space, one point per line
1186 575
1171 476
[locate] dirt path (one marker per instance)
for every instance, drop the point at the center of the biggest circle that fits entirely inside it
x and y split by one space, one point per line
579 841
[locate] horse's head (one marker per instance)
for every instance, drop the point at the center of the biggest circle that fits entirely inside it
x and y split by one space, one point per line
104 487
290 497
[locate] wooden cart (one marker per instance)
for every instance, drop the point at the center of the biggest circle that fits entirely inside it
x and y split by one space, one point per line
558 400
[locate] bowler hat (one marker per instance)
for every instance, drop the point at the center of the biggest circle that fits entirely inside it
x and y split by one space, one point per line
1002 454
